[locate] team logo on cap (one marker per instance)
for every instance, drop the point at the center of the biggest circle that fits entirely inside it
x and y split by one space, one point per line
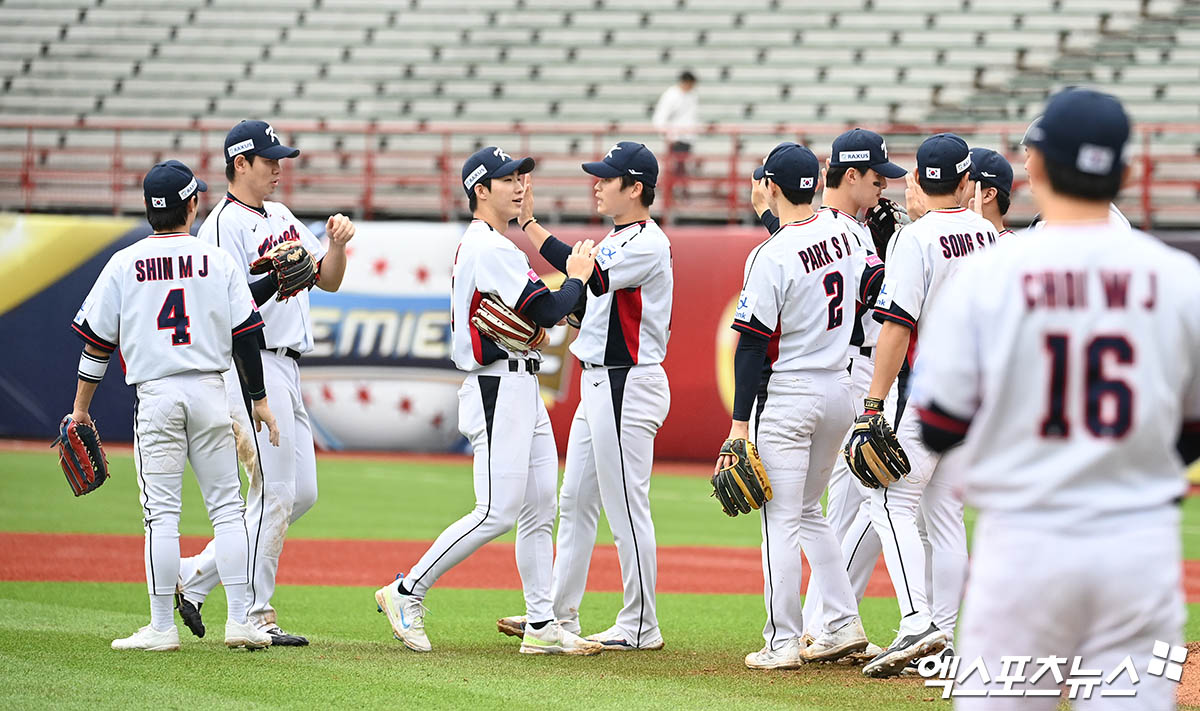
854 156
240 147
191 188
271 134
963 164
1096 160
475 175
883 147
933 173
158 202
612 150
806 183
501 154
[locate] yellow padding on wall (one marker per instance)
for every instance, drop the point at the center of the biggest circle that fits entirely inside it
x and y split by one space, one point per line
38 250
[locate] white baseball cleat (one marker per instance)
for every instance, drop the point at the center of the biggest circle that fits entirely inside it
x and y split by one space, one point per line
615 640
906 648
831 646
406 615
515 626
860 658
553 639
149 639
244 634
789 656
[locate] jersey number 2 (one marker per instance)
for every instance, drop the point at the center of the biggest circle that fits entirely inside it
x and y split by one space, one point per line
1111 421
833 289
173 316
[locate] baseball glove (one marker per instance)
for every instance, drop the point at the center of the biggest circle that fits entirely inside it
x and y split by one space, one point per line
81 456
873 453
883 220
506 327
294 267
743 485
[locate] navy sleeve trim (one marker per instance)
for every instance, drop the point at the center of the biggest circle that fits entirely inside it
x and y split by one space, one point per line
85 332
939 429
895 314
753 326
599 281
252 323
555 251
871 283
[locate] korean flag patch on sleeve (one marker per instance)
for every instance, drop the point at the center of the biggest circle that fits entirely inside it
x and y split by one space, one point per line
745 306
609 256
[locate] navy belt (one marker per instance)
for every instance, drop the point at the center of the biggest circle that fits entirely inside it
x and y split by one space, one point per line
289 352
865 351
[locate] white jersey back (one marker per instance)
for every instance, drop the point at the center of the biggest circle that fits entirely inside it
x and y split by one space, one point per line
628 316
171 304
923 256
800 290
866 333
486 262
1073 352
247 233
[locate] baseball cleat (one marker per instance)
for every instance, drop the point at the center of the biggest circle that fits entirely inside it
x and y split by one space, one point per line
189 612
806 639
905 649
148 639
244 634
553 639
860 658
406 615
831 646
933 661
789 656
279 638
512 626
615 640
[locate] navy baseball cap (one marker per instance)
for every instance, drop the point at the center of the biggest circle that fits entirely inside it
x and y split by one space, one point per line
257 138
991 168
863 149
626 158
170 183
943 156
1083 129
790 165
491 162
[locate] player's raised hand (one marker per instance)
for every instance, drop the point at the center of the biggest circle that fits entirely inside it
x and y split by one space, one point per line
526 213
914 198
976 203
582 260
758 196
339 228
263 416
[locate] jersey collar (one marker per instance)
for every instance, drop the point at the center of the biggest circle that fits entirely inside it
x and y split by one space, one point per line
261 211
798 223
166 235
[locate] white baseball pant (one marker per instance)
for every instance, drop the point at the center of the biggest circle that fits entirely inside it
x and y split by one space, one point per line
285 491
798 429
1101 595
182 418
515 469
609 457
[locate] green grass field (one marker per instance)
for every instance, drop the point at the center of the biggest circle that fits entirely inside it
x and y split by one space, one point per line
54 637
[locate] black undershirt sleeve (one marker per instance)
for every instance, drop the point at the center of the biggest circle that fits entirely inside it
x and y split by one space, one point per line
247 357
549 307
748 363
1189 442
263 289
770 221
556 252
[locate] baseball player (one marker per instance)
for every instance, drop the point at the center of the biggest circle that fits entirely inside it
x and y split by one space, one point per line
284 486
501 412
1067 361
856 174
179 310
922 257
624 397
1114 212
991 181
796 316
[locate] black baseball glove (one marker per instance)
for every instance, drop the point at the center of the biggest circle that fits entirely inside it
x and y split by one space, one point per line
743 485
81 456
294 268
884 220
873 453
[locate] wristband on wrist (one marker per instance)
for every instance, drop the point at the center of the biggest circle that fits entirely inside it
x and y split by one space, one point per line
528 222
873 404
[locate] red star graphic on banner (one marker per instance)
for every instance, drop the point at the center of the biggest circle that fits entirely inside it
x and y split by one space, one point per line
405 405
380 266
436 421
422 274
364 395
326 393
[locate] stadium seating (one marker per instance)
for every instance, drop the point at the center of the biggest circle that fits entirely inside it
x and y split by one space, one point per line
763 65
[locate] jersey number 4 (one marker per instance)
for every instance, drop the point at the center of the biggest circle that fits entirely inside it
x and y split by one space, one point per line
173 316
1108 402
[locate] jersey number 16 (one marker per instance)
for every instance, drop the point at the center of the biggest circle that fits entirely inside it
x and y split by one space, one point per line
1112 421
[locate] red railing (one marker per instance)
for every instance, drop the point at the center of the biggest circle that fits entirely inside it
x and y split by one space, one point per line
51 169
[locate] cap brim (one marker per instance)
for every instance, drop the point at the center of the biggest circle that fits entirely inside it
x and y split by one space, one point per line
760 172
201 186
889 170
519 166
279 151
600 169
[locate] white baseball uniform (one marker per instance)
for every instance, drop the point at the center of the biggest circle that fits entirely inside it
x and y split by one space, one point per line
1069 357
500 410
921 259
287 485
172 305
800 289
848 517
624 398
